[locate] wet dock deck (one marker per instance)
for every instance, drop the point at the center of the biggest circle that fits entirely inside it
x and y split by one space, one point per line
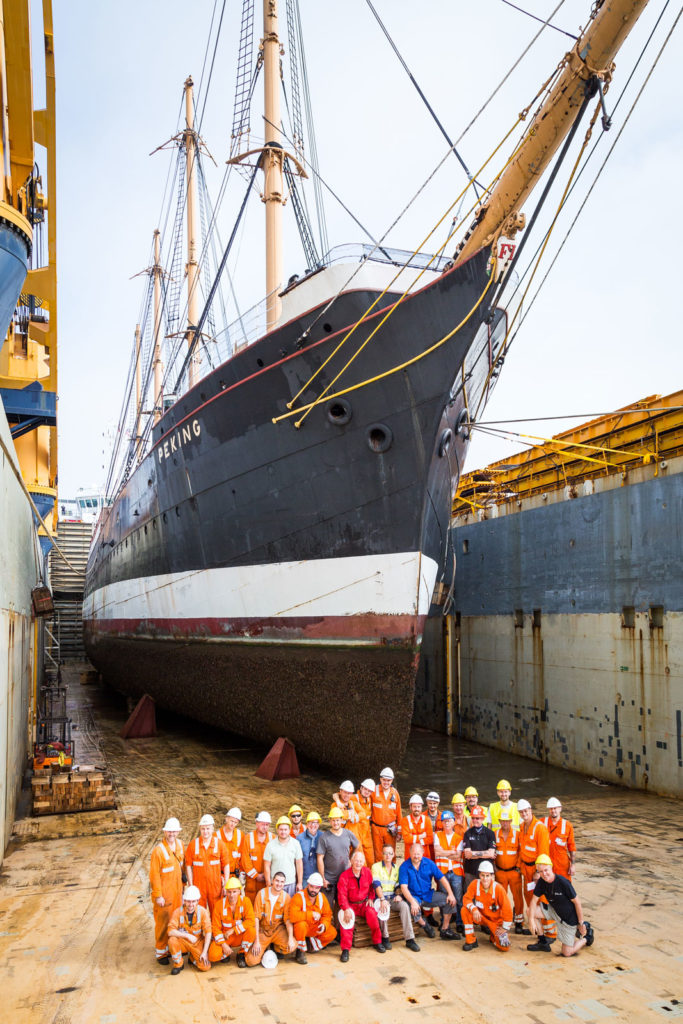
76 935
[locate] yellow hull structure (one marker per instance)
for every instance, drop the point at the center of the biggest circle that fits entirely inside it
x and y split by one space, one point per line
28 353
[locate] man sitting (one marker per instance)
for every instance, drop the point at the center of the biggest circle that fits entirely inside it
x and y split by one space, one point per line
415 878
356 898
385 882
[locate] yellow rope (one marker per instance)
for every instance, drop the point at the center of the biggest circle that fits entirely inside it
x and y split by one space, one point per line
400 366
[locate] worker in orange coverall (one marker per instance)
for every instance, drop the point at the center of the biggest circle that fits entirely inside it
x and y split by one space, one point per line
533 841
487 904
271 921
364 802
206 863
353 811
231 836
166 884
311 918
417 827
232 924
386 814
253 848
561 836
507 870
189 924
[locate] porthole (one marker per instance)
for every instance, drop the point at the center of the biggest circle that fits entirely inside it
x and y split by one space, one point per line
327 328
462 424
379 438
259 362
445 442
339 412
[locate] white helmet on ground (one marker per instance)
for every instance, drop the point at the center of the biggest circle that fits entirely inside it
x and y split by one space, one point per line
269 960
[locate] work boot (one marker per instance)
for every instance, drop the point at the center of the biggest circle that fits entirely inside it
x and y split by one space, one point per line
432 920
542 945
164 961
301 957
590 937
470 945
177 970
344 956
428 930
240 960
386 941
412 944
460 929
380 947
446 934
521 930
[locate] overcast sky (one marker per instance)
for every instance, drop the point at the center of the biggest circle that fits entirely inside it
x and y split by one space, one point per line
604 331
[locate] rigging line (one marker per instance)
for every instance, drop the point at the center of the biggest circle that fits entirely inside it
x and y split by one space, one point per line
206 48
596 178
566 445
424 98
577 416
213 60
536 18
217 278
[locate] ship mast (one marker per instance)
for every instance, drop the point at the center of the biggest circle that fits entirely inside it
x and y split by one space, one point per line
591 58
192 268
157 271
272 161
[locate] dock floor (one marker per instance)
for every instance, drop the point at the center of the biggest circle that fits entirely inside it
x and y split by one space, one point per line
76 933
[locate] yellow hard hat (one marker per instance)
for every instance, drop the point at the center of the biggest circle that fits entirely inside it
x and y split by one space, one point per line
233 883
504 784
313 816
543 861
336 813
295 807
458 798
283 820
471 791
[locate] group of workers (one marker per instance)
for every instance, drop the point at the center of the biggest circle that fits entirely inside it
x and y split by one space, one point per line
261 895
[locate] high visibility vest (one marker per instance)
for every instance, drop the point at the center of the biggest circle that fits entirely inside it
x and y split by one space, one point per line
448 842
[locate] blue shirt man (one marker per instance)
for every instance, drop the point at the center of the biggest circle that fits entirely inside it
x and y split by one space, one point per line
415 879
308 841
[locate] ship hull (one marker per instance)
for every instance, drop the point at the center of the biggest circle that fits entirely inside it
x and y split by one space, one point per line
274 580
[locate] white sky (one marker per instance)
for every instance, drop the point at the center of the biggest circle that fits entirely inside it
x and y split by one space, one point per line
605 329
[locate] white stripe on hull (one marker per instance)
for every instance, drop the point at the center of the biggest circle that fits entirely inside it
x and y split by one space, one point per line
394 584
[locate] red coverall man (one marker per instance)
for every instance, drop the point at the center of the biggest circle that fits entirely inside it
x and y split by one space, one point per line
507 871
486 903
189 923
561 835
364 802
271 921
231 837
311 918
232 924
166 884
253 847
417 828
386 814
206 863
356 896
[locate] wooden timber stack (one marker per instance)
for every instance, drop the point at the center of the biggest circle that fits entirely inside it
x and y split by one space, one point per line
362 937
63 792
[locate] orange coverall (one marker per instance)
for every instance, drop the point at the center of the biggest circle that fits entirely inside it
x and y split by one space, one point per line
165 879
507 858
296 830
234 847
233 926
561 835
494 907
311 919
271 912
450 844
200 927
356 820
252 862
386 808
418 830
364 829
533 841
208 864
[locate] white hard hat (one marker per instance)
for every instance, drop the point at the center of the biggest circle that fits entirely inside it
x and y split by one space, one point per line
269 959
553 802
433 796
368 783
347 787
340 918
523 805
206 819
415 799
486 865
315 879
386 773
192 893
172 825
234 812
382 915
263 816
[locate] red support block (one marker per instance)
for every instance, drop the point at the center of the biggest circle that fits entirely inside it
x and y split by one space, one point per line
142 722
280 762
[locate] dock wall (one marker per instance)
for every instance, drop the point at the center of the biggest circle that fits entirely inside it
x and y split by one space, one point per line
568 616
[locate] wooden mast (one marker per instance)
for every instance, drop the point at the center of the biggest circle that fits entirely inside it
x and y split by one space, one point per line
192 268
272 163
158 385
138 386
591 57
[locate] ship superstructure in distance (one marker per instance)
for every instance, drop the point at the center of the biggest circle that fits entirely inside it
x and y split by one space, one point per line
280 509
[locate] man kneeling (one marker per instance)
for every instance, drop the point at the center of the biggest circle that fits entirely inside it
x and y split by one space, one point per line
185 930
233 925
563 907
311 918
486 903
271 922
